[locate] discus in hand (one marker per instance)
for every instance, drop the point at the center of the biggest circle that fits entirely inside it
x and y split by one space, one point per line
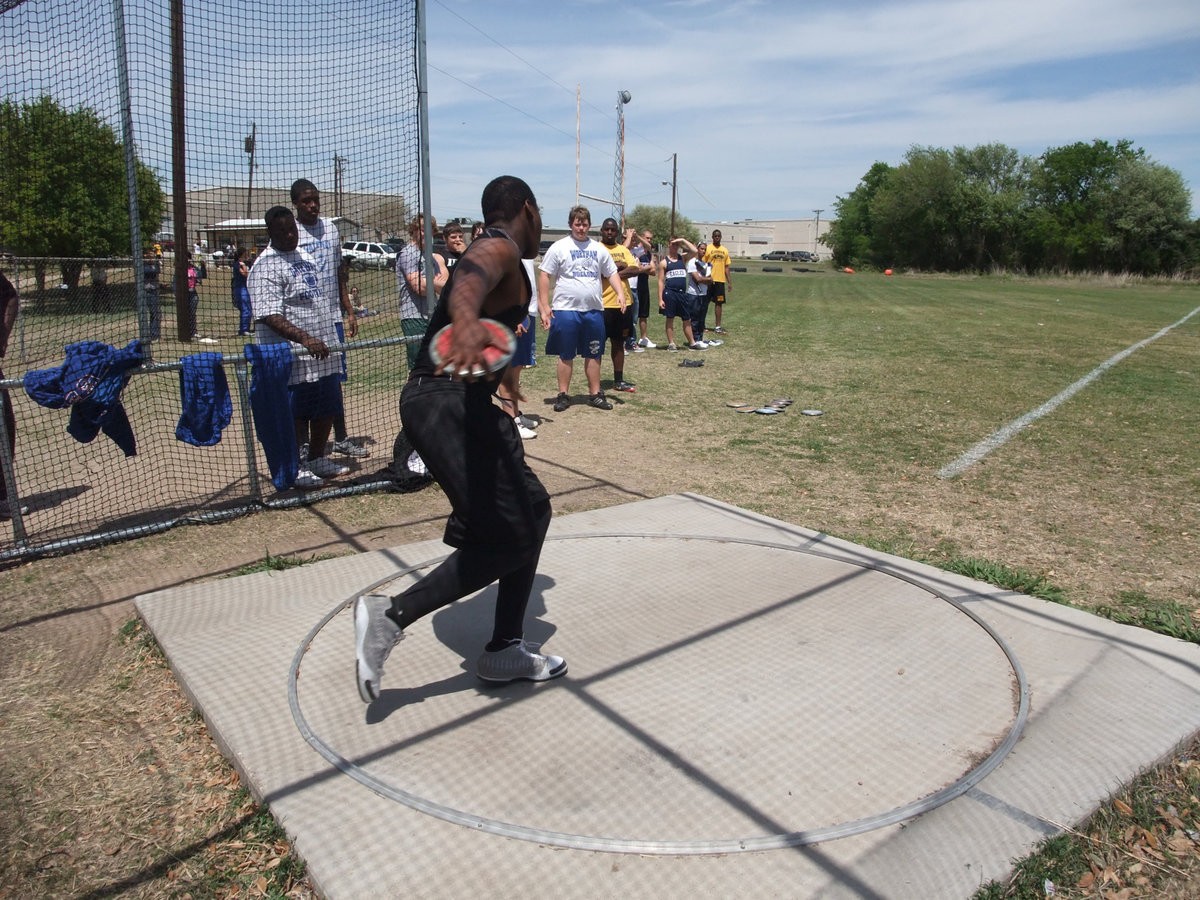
496 357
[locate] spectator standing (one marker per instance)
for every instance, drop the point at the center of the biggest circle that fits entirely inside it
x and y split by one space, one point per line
698 283
239 272
524 357
718 258
642 247
320 239
151 324
674 302
285 291
574 315
617 326
412 286
456 244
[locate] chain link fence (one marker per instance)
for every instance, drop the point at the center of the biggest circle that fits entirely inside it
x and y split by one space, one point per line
134 134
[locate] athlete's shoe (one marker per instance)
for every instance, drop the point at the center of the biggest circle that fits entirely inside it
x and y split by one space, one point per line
712 342
599 401
347 447
529 423
375 634
519 661
303 453
719 330
672 347
306 479
624 387
699 345
527 434
647 343
324 467
561 402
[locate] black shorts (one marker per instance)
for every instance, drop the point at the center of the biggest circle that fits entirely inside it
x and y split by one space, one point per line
617 324
716 292
472 449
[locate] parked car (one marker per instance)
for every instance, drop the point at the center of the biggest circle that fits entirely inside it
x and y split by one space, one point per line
361 255
776 255
803 256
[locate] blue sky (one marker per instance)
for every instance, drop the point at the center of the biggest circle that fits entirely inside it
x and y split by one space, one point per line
777 108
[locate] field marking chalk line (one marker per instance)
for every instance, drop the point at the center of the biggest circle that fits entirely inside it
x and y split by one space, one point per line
1001 437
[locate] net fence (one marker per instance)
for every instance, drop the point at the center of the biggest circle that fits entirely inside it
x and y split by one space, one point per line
141 142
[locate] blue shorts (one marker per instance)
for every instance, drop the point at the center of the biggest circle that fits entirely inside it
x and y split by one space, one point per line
676 304
526 352
576 334
320 399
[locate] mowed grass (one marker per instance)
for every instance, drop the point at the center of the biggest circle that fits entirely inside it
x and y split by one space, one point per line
1098 497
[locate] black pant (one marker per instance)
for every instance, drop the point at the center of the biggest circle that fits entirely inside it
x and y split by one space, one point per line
500 510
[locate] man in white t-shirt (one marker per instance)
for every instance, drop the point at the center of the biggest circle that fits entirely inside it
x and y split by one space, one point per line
574 315
285 293
320 239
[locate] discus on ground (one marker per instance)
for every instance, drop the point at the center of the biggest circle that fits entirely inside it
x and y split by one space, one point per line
737 404
497 357
811 412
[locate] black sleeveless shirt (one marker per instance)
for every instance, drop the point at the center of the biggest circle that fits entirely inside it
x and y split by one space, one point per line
510 317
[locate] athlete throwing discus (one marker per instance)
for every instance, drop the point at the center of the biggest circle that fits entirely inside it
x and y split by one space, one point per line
500 511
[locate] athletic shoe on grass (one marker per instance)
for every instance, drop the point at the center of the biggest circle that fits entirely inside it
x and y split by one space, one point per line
719 330
714 343
647 343
699 345
519 661
625 387
527 422
561 402
672 347
375 634
527 434
599 401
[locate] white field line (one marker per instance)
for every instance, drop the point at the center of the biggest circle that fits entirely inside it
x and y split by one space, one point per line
1001 437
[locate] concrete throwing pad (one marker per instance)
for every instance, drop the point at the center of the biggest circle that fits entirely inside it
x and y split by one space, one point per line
748 703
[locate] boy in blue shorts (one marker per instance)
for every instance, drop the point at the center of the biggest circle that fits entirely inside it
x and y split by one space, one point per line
574 315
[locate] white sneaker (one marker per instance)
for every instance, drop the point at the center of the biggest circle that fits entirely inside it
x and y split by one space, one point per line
714 343
324 467
527 422
306 479
527 434
647 343
672 347
699 345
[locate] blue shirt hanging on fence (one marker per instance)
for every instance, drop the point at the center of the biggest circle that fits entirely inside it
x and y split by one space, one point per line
271 367
204 395
90 382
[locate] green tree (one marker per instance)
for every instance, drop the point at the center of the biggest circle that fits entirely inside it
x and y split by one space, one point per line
1071 190
63 189
658 220
1147 229
851 234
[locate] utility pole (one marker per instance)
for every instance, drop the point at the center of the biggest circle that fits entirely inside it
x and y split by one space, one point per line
250 144
339 163
674 178
817 230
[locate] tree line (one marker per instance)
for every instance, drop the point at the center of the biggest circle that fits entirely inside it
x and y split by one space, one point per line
1083 207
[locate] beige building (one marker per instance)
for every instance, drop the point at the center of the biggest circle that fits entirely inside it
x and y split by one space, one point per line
751 238
217 214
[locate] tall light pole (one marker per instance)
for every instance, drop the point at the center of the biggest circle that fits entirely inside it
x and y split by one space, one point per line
817 230
623 97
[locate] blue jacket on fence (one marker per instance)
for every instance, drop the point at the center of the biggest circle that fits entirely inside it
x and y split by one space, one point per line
271 405
204 395
90 381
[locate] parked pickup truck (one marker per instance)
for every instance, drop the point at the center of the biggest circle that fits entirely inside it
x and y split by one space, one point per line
361 255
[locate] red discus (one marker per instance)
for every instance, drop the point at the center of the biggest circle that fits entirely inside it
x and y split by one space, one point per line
495 357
